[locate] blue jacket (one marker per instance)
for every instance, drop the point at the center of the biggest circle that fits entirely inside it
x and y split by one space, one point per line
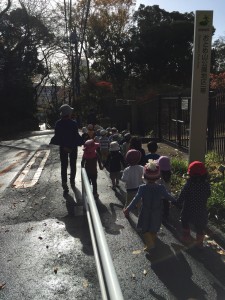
151 196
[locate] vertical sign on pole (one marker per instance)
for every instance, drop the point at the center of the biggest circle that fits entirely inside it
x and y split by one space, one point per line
200 85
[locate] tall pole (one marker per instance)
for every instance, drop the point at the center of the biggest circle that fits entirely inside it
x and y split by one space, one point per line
72 55
200 85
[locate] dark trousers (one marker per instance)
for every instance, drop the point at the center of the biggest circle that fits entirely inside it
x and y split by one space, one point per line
93 180
166 208
65 157
198 227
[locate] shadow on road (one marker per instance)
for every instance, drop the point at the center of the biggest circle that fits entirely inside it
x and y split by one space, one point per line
76 222
180 281
109 217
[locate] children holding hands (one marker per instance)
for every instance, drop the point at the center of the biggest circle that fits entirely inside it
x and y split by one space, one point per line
151 194
192 201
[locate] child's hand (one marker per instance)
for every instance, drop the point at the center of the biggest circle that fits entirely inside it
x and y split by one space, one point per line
126 213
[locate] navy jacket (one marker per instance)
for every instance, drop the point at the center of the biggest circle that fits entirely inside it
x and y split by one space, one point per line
66 133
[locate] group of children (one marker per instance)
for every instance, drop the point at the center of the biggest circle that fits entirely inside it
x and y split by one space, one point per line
147 180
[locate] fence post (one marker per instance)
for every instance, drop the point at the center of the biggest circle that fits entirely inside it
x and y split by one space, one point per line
179 116
134 117
159 117
211 121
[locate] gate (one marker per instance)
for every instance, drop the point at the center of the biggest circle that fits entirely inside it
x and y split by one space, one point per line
175 118
168 117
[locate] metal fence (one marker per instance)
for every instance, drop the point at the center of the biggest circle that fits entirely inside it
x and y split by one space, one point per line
167 118
216 123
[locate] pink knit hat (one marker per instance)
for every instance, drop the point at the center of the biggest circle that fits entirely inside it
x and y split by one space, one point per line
164 163
151 170
89 149
133 157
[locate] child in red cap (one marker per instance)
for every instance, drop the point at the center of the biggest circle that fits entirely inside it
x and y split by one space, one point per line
151 193
89 162
193 198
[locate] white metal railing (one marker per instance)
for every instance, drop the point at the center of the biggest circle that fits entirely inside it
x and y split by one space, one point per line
108 280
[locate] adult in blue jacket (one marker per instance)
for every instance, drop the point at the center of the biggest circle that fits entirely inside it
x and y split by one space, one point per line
68 138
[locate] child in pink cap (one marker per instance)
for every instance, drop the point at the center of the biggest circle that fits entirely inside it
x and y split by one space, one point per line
89 161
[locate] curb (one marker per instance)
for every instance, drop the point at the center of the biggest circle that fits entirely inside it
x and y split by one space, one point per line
216 234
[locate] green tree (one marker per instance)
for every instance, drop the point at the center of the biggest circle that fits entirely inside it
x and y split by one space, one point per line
21 35
162 43
218 55
108 37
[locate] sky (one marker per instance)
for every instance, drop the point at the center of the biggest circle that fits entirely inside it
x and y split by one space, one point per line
217 6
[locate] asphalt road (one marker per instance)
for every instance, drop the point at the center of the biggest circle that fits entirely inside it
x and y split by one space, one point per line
45 254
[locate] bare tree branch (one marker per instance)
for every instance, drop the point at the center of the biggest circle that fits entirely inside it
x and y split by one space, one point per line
6 9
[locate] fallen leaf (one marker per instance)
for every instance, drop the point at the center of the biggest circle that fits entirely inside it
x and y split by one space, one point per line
29 229
145 272
2 285
136 252
43 198
221 252
85 284
133 276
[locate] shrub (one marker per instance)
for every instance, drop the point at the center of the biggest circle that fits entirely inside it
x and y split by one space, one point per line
216 202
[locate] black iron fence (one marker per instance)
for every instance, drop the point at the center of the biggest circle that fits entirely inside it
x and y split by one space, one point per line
167 118
216 123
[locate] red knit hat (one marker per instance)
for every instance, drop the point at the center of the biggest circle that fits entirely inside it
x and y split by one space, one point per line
197 168
133 157
151 170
